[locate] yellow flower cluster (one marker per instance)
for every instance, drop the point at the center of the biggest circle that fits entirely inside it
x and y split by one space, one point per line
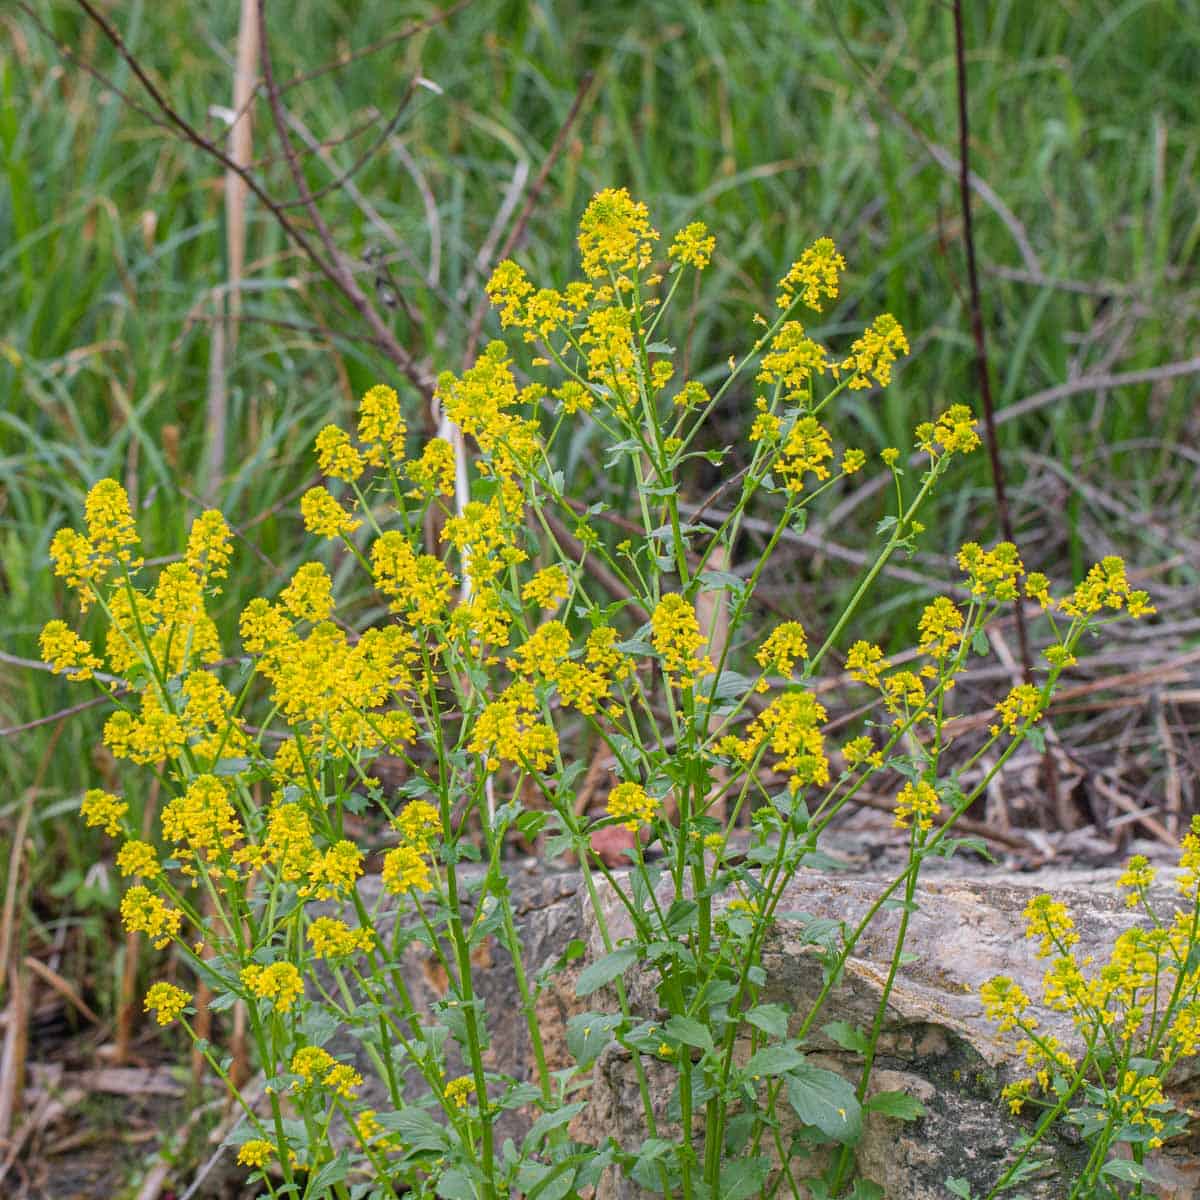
433 474
791 362
785 646
813 276
255 1153
954 432
1106 587
676 637
65 650
1022 704
331 938
459 1091
138 858
280 983
873 355
940 628
202 822
790 728
316 1066
408 867
615 237
144 912
100 808
693 246
166 1001
917 804
324 516
632 805
507 730
548 588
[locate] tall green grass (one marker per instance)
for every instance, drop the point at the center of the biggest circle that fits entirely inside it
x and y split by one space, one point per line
775 121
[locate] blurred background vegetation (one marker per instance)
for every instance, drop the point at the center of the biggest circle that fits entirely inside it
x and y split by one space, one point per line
776 121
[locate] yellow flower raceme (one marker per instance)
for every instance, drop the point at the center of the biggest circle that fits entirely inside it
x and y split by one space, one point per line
203 821
632 805
992 573
1049 921
208 546
917 804
280 983
1023 703
255 1153
459 1091
865 663
1106 587
548 588
615 235
433 474
693 246
138 858
792 360
155 736
805 450
110 521
405 869
166 1001
309 595
419 587
144 912
66 651
790 728
507 730
785 646
873 355
814 276
940 628
381 427
324 516
336 455
675 635
331 938
103 809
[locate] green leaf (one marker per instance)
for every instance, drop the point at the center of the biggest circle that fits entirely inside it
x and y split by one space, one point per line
896 1104
826 1101
743 1177
332 1172
864 1189
589 1033
690 1032
959 1187
454 1185
1126 1170
849 1037
417 1129
980 644
774 1060
604 970
772 1019
548 1122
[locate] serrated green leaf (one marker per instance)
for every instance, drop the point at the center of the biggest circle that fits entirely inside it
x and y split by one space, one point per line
825 1100
604 970
772 1019
690 1032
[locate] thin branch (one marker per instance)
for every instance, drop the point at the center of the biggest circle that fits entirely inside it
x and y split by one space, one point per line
338 274
332 270
366 156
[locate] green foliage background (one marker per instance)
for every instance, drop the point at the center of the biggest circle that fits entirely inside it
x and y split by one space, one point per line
776 121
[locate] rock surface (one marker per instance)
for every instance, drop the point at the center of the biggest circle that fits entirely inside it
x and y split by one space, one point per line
936 1044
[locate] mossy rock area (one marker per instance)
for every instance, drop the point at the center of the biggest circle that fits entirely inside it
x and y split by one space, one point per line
936 1043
